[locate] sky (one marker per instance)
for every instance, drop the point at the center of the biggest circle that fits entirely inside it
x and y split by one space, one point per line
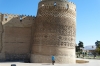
88 16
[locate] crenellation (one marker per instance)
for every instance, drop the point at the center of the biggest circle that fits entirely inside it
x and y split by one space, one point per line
8 17
72 3
53 3
55 0
72 6
17 15
62 5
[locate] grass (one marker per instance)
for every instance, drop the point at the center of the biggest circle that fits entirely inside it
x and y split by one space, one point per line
89 57
81 61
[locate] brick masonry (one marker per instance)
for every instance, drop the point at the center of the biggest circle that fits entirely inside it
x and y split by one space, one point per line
51 32
55 32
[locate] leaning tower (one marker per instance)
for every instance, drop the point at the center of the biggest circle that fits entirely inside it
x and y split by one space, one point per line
54 32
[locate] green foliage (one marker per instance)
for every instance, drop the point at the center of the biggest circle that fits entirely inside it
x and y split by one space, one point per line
98 50
97 43
86 53
77 49
80 44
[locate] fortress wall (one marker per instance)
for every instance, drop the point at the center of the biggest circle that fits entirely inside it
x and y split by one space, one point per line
55 32
14 20
16 35
60 4
1 31
52 32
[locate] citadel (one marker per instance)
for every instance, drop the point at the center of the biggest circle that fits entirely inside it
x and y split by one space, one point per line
36 39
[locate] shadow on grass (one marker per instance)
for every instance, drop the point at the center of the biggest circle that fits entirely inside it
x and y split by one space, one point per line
81 61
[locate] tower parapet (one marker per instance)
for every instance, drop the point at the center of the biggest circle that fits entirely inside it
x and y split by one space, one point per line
55 0
57 3
53 3
51 6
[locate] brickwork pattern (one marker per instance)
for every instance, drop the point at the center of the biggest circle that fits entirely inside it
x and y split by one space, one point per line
15 36
55 33
51 32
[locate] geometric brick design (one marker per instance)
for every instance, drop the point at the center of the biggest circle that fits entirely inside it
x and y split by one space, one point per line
55 32
51 32
15 37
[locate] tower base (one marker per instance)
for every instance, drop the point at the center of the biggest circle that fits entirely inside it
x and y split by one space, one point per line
47 59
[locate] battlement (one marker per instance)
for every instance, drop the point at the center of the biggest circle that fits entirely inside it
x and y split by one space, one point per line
72 3
13 20
55 0
72 6
17 14
6 17
59 4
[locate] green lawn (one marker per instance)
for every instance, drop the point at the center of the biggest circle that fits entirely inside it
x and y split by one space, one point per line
89 57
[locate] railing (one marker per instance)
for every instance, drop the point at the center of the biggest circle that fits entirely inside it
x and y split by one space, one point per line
88 56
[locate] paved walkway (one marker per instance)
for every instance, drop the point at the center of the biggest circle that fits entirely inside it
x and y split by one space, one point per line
91 63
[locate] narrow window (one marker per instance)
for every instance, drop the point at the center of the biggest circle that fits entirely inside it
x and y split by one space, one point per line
65 44
61 44
20 18
42 4
75 9
55 3
6 17
67 6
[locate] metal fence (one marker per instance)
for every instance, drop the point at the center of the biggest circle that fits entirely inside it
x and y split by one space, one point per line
88 56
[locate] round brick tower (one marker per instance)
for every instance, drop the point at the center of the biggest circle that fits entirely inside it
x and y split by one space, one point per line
55 31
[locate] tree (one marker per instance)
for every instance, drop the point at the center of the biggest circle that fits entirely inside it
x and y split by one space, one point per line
80 44
97 43
77 49
98 50
86 53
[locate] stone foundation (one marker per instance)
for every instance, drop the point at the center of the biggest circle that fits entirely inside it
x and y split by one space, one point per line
47 59
2 57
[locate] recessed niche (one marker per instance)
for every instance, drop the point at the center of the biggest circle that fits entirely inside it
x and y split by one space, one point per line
42 4
65 44
67 6
20 18
6 17
55 3
75 9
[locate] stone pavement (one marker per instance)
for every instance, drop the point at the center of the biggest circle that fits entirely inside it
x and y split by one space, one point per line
91 63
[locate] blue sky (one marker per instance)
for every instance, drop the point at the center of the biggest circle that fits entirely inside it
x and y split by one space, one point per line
88 16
